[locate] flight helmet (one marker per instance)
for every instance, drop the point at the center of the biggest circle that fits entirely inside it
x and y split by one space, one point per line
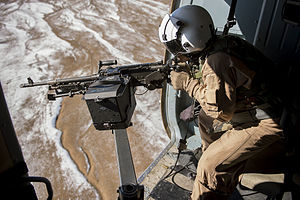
186 30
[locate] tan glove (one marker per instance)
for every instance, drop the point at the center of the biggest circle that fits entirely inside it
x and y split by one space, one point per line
179 80
183 81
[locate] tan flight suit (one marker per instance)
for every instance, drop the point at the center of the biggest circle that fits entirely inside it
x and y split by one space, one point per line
226 146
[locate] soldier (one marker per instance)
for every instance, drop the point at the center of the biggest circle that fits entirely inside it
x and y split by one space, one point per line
237 120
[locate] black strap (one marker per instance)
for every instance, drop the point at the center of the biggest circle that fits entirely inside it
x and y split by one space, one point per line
230 20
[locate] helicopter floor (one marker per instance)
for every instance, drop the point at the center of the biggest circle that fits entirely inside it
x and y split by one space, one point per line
165 189
177 184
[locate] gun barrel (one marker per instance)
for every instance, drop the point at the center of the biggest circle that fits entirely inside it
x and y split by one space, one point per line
59 81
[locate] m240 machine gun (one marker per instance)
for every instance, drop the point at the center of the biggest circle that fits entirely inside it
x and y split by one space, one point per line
109 95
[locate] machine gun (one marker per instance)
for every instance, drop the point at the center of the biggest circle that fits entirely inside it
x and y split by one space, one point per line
109 94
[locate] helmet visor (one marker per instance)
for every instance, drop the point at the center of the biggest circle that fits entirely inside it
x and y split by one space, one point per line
169 33
174 47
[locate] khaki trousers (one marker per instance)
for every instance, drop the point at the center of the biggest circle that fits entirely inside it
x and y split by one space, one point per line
226 154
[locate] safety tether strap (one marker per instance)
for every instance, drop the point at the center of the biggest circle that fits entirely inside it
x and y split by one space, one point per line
230 20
